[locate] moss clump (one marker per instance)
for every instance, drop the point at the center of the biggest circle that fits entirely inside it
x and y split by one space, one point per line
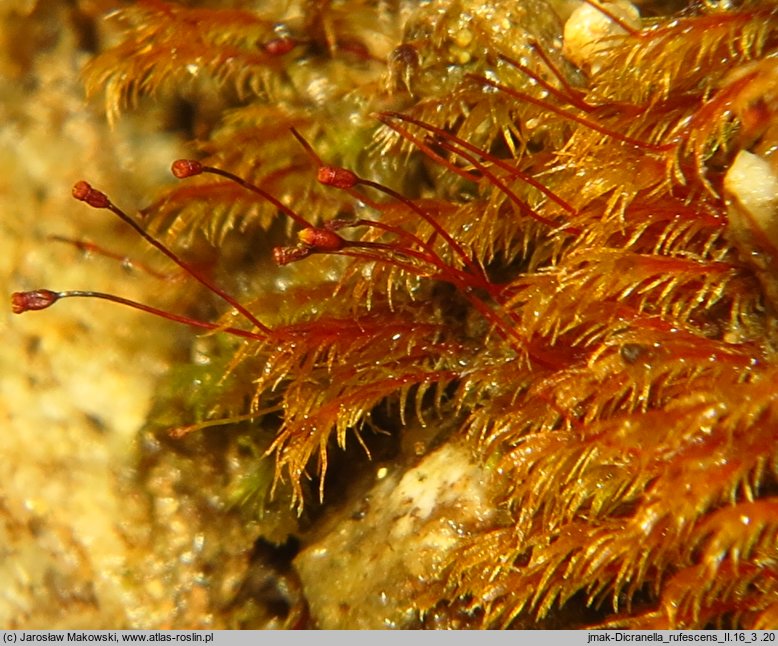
537 253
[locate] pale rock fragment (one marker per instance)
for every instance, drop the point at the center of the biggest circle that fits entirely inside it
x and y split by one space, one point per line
589 33
751 190
368 569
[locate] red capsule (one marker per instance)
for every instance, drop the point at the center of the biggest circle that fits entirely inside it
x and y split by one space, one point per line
84 192
38 299
337 177
279 46
321 239
182 168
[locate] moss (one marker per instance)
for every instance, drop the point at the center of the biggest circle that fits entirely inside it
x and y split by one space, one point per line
527 261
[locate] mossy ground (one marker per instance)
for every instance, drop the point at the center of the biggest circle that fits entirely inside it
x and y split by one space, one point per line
544 283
